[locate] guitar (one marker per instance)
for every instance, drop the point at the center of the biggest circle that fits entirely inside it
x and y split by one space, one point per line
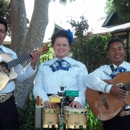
106 106
7 63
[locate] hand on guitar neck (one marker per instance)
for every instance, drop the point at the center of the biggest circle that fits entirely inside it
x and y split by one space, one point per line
35 57
36 54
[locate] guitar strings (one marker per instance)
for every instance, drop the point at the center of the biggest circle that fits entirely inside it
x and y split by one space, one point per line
18 60
127 86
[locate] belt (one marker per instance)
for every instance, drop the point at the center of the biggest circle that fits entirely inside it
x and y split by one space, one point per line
124 113
5 96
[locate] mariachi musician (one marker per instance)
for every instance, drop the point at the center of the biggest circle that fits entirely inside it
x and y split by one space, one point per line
61 71
8 111
107 82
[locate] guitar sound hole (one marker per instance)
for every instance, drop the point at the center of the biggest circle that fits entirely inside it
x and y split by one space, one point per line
4 67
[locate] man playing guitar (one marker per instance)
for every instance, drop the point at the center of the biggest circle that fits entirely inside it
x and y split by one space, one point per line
8 110
108 87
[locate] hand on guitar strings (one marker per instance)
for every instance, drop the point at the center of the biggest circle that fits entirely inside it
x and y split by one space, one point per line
4 68
118 91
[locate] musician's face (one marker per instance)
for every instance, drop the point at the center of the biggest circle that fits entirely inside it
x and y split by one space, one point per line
116 53
2 33
61 47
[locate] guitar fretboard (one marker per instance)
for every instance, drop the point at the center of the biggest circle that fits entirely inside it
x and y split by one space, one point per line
17 61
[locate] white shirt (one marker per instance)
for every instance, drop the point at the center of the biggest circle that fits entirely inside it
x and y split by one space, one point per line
95 79
49 82
23 73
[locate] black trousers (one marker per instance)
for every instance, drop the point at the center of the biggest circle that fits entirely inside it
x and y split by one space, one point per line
117 123
9 115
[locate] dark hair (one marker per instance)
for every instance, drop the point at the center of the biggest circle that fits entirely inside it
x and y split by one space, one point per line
114 40
3 21
61 33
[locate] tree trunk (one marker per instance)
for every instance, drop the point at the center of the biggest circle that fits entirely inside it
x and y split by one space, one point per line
18 26
23 42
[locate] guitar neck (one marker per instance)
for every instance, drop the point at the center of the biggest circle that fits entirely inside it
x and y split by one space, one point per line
17 61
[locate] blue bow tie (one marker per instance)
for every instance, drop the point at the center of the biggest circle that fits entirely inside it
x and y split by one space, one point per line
60 65
117 71
1 51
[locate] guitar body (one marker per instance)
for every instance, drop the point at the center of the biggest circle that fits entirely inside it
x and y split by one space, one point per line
4 77
114 104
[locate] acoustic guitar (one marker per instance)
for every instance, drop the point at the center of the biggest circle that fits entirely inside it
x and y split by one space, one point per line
7 63
106 106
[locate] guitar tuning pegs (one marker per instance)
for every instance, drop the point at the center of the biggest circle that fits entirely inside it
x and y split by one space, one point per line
43 49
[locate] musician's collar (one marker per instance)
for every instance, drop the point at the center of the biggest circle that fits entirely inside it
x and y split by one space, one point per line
121 65
65 58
